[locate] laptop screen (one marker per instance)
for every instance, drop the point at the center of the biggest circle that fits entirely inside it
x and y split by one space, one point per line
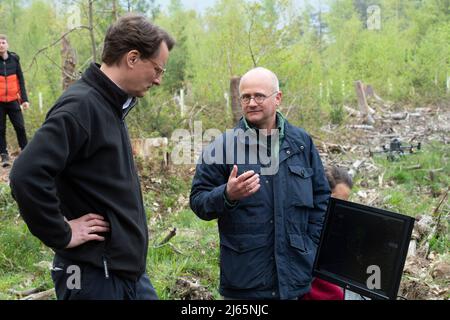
363 248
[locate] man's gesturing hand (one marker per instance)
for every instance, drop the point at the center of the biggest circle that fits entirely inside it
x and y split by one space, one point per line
85 229
243 186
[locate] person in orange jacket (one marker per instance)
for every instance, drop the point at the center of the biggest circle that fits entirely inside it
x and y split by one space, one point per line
13 96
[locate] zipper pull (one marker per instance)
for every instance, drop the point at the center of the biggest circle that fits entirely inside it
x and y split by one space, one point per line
105 267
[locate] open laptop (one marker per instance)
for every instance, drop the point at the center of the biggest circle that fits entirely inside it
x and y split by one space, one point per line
363 249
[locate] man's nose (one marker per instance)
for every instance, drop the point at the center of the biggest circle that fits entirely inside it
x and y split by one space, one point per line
252 102
157 81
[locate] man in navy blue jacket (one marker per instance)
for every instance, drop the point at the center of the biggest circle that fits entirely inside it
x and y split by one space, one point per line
265 183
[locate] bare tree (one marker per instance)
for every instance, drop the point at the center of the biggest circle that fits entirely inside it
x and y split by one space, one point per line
91 30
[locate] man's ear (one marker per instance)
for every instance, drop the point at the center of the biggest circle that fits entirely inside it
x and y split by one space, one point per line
132 57
279 97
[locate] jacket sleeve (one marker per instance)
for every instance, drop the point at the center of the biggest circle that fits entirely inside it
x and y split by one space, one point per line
23 90
207 198
32 177
321 195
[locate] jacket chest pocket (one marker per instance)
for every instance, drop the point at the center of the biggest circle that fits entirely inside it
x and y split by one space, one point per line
300 191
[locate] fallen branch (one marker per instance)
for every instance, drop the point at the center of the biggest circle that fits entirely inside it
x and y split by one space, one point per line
441 202
435 229
380 179
175 249
361 126
24 293
414 167
352 112
44 295
399 116
171 234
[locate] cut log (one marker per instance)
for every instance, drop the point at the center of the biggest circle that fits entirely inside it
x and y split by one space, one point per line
361 126
412 248
44 295
399 116
352 112
23 293
362 102
151 147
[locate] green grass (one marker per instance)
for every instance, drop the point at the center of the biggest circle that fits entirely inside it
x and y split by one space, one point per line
418 191
23 258
197 245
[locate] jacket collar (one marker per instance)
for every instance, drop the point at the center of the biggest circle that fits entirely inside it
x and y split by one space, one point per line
280 122
294 140
10 55
108 89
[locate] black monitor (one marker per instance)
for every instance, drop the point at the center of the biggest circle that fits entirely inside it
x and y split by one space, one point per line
360 243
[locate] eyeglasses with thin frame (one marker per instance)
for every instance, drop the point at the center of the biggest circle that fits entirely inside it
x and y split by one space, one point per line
158 69
259 98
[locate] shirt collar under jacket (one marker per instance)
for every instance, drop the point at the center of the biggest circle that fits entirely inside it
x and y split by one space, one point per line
280 125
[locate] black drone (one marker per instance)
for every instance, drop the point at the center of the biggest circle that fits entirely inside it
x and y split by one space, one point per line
397 150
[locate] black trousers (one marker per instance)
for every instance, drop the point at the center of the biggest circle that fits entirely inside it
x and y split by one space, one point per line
12 109
77 281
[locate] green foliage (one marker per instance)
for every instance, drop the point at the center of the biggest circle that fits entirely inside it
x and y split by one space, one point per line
154 116
337 114
317 55
7 204
440 243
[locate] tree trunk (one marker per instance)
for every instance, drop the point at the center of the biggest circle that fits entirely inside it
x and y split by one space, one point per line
91 30
235 103
69 64
115 14
362 102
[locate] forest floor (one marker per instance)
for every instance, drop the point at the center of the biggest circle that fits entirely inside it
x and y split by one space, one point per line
415 184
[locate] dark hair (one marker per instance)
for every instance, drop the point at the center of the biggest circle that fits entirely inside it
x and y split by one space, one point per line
336 175
133 32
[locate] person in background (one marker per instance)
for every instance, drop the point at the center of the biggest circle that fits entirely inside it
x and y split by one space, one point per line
341 184
13 96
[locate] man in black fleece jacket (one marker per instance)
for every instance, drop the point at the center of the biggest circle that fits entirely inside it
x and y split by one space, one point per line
76 183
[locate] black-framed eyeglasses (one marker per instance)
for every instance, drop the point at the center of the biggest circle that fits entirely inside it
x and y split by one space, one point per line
259 98
158 69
